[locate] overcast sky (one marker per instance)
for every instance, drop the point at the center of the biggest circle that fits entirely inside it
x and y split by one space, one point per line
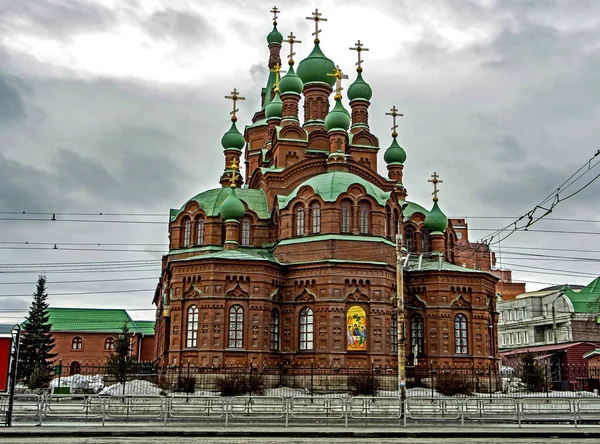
116 107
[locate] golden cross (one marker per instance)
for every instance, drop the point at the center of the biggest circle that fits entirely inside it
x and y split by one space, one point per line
435 181
358 48
316 16
291 40
277 70
339 75
275 11
234 97
394 113
233 166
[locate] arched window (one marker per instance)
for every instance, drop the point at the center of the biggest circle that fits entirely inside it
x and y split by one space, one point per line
409 238
192 327
236 327
461 342
316 218
364 217
74 368
424 241
392 226
300 221
245 232
345 217
109 343
306 329
187 233
77 343
200 227
490 337
275 330
416 334
394 332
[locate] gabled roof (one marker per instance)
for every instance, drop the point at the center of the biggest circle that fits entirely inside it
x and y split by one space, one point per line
93 320
145 327
547 348
586 300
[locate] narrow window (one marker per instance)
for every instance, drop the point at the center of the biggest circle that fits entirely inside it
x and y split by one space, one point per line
200 231
300 221
77 343
424 241
392 227
364 218
461 344
109 343
345 217
275 330
394 332
192 327
306 329
75 368
236 327
316 218
187 231
416 335
245 232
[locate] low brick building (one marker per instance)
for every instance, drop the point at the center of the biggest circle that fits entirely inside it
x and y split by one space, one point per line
84 337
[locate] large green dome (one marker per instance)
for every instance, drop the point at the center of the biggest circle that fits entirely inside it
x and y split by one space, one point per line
233 138
338 118
274 36
436 220
360 89
232 207
395 153
291 83
315 68
273 109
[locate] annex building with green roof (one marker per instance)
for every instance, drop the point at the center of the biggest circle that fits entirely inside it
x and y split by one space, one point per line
293 260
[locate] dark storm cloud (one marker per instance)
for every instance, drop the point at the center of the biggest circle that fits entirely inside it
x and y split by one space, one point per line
52 18
182 26
12 106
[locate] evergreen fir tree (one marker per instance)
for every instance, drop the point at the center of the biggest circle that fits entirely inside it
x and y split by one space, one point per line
35 354
119 363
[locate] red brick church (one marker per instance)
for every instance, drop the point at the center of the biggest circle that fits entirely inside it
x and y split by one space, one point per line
295 260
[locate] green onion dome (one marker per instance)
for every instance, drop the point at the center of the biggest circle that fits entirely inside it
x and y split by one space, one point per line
436 220
338 118
232 207
395 153
315 68
360 89
233 138
273 109
291 83
274 36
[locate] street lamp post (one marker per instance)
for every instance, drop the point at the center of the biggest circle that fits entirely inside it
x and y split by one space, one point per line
400 318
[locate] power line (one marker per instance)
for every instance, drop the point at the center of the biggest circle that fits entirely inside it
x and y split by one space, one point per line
80 293
83 282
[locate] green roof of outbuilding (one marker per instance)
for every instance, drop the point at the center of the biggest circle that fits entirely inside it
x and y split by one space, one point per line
90 320
210 201
330 185
145 327
587 299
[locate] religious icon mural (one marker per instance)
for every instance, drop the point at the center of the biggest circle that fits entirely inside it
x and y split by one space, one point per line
356 332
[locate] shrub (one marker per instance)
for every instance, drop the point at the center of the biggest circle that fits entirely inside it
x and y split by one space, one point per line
450 384
363 384
39 378
531 373
256 384
186 384
239 384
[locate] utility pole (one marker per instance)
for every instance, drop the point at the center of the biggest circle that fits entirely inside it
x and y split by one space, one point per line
400 317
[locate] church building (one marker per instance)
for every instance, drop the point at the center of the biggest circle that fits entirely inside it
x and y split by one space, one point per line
295 260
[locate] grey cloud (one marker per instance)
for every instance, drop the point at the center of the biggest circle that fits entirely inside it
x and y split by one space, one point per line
12 106
183 26
13 304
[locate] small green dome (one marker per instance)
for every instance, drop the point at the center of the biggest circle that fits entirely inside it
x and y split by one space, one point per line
338 118
360 89
233 138
291 83
273 109
274 36
232 207
395 153
315 68
436 220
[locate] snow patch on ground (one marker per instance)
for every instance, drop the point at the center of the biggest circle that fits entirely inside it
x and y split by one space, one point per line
137 387
80 382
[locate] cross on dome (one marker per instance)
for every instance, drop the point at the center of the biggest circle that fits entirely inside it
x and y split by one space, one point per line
233 166
339 75
359 48
277 70
394 113
275 11
435 180
291 40
316 17
234 97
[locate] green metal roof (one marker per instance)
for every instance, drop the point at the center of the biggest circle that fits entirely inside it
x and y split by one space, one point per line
427 264
414 208
239 254
210 201
331 185
586 300
90 320
145 327
343 237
